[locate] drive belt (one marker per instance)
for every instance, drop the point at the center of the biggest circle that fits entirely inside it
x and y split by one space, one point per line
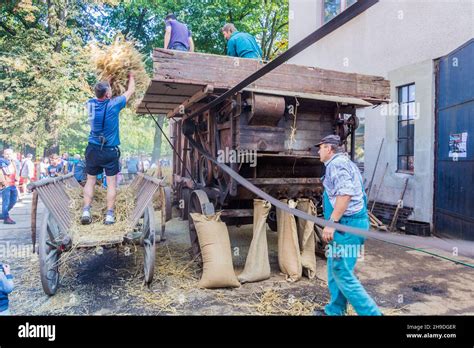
455 247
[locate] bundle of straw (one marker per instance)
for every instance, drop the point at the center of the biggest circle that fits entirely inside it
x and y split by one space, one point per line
115 62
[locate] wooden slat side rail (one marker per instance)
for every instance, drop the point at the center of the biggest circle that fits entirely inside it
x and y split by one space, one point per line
145 186
53 194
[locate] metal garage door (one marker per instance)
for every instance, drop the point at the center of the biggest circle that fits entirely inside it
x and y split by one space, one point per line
454 166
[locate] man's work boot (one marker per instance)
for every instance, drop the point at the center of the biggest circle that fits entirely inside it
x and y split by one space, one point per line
86 218
9 221
109 217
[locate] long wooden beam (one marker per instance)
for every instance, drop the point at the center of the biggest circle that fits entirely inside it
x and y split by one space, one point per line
179 110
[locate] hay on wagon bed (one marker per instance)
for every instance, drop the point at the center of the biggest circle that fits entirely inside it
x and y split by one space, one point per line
97 233
114 63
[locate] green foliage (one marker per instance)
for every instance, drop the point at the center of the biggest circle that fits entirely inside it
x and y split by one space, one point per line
143 20
45 77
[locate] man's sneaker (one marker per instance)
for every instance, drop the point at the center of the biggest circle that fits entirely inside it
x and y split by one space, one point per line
9 221
109 218
86 218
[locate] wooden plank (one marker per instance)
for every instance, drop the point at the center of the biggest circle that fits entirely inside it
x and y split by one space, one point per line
221 72
191 100
161 98
166 87
165 106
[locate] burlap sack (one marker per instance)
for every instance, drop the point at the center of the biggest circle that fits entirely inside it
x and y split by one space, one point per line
257 265
218 269
289 257
306 237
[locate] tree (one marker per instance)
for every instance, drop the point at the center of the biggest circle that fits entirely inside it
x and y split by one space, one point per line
44 70
143 21
45 76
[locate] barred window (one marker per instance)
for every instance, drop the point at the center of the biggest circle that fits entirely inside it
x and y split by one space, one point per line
406 128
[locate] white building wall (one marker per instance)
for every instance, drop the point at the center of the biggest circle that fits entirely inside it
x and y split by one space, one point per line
396 39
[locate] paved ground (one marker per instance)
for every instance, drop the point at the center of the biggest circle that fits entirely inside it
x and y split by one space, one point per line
402 282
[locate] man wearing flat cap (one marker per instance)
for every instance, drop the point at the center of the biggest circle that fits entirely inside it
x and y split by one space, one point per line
345 203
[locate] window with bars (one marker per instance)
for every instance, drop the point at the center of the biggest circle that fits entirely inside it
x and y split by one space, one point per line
334 7
406 128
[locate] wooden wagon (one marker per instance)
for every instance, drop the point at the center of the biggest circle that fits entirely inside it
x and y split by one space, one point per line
54 237
277 120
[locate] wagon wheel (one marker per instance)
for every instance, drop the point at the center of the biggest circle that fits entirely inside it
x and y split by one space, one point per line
185 194
148 241
166 212
49 255
196 201
205 171
272 220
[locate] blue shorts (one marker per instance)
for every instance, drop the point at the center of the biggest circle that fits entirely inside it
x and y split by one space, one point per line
99 159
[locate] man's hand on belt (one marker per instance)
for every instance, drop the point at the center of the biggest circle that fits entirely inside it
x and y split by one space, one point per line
328 234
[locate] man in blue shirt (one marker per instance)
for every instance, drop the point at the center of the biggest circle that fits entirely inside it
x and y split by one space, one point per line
241 44
177 35
102 152
344 202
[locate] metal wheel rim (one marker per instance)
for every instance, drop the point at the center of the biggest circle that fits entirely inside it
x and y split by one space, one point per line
49 257
149 244
196 200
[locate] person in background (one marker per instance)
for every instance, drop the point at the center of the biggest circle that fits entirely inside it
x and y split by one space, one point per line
56 167
132 167
67 163
6 287
36 163
8 189
146 164
44 164
177 35
27 172
79 169
241 44
140 165
17 162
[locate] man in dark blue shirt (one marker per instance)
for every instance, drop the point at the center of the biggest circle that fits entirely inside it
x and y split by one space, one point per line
102 152
177 36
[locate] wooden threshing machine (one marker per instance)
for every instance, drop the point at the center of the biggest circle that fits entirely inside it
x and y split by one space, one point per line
266 132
